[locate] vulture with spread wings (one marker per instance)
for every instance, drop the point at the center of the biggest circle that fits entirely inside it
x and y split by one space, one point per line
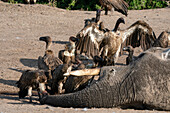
117 5
92 39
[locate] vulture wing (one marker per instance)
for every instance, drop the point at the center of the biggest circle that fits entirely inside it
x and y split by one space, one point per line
163 40
89 40
118 5
138 34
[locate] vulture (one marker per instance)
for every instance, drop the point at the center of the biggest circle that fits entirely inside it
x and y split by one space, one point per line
130 57
163 40
93 20
117 5
69 53
110 43
32 80
48 61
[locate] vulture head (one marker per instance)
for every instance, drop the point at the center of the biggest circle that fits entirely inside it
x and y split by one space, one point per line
128 49
47 40
120 20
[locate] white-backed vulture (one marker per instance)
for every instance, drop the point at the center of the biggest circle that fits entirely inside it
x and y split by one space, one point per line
69 53
93 20
48 61
130 57
163 40
117 5
32 80
91 39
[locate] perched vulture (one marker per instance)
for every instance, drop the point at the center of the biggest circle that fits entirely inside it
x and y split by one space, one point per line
117 5
92 40
163 40
48 61
32 80
93 20
130 57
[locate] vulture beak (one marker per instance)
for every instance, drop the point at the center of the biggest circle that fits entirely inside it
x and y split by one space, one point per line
45 38
125 48
73 39
121 20
87 72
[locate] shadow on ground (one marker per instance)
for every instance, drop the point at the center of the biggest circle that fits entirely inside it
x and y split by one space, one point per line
18 70
60 42
8 82
29 62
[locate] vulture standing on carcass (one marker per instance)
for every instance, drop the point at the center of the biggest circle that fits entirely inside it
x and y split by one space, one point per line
92 40
71 61
31 80
117 5
130 57
163 40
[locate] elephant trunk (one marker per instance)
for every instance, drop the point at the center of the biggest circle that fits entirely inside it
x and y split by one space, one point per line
100 94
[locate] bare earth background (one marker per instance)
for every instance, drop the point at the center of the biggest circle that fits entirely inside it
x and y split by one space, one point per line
22 25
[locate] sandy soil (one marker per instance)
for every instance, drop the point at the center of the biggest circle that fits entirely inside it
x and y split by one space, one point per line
22 25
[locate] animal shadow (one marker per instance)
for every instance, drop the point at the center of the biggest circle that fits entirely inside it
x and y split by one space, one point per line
8 82
14 96
18 70
29 62
60 42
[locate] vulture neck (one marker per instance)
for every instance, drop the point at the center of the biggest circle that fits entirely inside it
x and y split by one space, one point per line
48 45
130 54
116 26
97 16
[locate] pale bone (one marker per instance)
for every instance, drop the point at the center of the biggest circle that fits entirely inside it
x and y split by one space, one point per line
84 72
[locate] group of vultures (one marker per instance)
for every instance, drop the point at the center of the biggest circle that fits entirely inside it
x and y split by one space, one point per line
78 64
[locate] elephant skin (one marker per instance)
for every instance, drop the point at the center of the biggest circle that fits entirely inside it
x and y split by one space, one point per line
144 84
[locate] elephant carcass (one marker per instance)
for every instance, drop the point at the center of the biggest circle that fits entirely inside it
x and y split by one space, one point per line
143 84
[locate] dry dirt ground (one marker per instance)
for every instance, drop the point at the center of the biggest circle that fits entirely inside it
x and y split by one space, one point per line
22 25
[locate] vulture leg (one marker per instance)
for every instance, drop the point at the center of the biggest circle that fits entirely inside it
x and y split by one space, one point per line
60 87
116 56
30 93
106 11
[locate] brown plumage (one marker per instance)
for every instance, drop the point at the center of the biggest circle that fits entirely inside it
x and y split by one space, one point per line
118 5
130 57
32 80
59 79
69 53
47 40
138 34
48 62
163 40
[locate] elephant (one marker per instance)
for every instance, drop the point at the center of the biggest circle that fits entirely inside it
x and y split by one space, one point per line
143 84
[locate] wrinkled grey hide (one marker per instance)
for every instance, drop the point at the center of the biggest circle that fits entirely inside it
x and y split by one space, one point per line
144 84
